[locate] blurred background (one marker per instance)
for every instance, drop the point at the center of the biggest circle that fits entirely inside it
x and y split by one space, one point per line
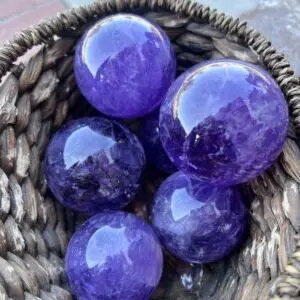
279 20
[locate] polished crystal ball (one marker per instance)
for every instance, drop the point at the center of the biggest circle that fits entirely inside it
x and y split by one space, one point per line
93 164
196 222
149 137
124 66
114 255
224 121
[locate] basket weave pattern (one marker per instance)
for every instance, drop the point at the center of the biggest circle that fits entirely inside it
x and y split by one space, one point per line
36 98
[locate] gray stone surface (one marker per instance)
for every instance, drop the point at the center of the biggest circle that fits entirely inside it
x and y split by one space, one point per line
233 7
73 3
279 20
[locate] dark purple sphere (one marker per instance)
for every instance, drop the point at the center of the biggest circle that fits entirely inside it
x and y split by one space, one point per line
93 164
114 256
149 137
224 121
124 66
196 222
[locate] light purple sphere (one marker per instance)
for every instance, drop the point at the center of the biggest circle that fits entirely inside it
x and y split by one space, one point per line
224 121
114 256
124 65
196 222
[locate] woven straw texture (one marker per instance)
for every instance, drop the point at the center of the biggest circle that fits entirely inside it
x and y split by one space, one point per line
37 97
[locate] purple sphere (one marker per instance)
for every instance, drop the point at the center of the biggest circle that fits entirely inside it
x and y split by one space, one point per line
114 256
196 222
93 164
149 137
124 66
224 121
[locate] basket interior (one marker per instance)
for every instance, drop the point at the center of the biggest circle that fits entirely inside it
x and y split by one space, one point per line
39 96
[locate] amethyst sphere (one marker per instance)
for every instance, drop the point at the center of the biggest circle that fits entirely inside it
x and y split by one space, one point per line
114 256
93 164
196 222
224 121
149 137
124 66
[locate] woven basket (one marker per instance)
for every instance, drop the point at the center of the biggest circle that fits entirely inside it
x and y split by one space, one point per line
36 98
